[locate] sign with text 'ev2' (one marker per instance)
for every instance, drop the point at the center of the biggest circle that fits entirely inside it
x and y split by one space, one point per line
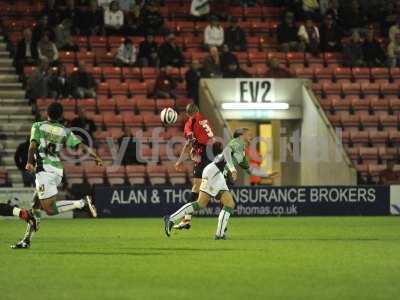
255 90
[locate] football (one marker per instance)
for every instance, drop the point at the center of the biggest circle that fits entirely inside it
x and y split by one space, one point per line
168 116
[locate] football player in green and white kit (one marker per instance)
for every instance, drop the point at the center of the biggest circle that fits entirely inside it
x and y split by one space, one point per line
46 142
214 183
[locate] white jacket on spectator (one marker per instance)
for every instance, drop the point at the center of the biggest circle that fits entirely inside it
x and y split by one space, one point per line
200 8
127 54
393 30
113 19
302 33
214 35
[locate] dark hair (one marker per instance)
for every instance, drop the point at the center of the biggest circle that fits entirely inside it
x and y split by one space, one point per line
55 111
239 132
127 41
191 109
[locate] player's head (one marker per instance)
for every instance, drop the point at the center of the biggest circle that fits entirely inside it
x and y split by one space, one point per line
55 111
191 109
243 133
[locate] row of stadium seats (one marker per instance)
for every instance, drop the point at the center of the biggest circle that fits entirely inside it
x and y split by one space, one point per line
371 138
355 88
134 174
370 103
379 121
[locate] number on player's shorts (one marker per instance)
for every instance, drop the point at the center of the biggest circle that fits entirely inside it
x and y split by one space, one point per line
207 128
41 188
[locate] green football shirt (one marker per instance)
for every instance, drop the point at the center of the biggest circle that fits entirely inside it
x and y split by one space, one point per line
51 137
233 154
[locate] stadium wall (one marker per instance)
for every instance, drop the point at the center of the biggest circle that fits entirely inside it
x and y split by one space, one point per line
323 158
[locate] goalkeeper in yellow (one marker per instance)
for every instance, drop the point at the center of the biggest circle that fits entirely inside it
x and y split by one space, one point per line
214 183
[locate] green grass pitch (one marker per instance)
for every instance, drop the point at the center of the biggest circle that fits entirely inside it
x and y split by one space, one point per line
265 258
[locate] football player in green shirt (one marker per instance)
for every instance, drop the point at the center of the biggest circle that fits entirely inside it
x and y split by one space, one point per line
46 142
214 183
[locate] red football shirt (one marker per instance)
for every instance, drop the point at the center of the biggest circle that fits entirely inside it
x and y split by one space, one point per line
199 128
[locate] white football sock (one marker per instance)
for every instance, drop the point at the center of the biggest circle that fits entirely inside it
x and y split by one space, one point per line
187 209
16 211
68 205
223 219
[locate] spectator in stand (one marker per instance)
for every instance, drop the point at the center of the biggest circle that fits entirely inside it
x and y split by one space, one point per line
311 9
213 34
165 84
373 53
132 23
83 84
200 9
353 52
148 52
330 35
234 71
83 122
170 53
40 29
72 13
276 71
192 78
309 36
235 37
354 19
50 9
27 54
212 64
227 58
58 82
393 52
151 19
92 20
388 16
333 10
126 55
64 40
48 50
287 37
38 82
394 30
21 158
113 19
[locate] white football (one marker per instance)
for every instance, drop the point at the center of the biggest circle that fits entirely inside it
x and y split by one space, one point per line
168 116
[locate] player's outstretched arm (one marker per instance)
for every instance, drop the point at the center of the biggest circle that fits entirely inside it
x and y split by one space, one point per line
31 157
92 153
184 155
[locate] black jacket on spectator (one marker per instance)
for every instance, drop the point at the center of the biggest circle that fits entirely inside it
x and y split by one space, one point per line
21 155
329 36
286 34
72 14
228 58
90 21
192 78
82 79
238 73
235 36
146 49
21 50
152 21
53 15
170 56
373 53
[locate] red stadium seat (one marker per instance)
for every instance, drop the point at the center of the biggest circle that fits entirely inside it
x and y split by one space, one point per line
119 88
132 73
112 120
369 121
361 74
74 174
341 104
323 73
156 174
359 138
68 104
67 57
138 88
149 73
389 89
105 104
378 138
145 104
116 175
112 73
132 120
136 174
360 104
152 120
89 105
125 104
305 73
369 154
379 74
163 103
95 174
342 75
176 177
351 88
87 56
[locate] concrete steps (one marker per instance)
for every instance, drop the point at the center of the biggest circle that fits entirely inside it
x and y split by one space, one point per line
15 115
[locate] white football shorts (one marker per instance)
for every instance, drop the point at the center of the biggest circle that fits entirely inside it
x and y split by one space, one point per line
46 184
213 181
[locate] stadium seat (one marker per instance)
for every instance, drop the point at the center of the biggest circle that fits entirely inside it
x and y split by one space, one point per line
369 121
67 57
379 104
138 88
152 120
359 138
131 73
119 89
132 120
323 73
351 88
305 73
111 120
149 73
94 174
295 59
359 104
116 175
361 74
104 104
380 75
88 104
69 104
164 103
389 89
369 154
112 73
176 177
145 104
388 121
87 56
378 138
74 174
342 75
157 174
350 122
125 104
339 104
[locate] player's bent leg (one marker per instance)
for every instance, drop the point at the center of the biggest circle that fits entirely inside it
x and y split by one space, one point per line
186 222
226 211
188 208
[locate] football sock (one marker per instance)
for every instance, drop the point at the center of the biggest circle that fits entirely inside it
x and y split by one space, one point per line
6 210
223 220
194 197
67 205
29 229
187 209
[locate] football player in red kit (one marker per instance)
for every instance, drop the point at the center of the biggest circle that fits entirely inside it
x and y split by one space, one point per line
199 134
